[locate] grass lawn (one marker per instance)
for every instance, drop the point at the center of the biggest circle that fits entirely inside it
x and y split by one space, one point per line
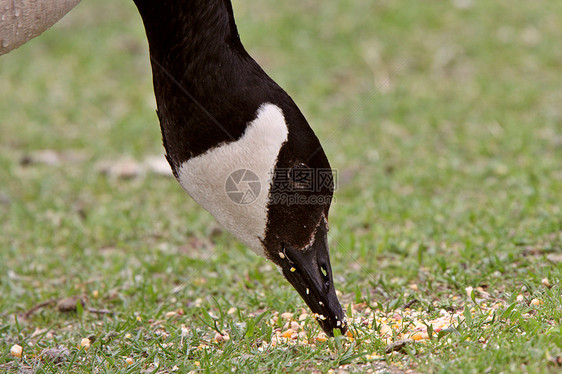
444 122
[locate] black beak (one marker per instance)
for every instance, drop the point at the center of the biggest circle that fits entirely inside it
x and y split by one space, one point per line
310 272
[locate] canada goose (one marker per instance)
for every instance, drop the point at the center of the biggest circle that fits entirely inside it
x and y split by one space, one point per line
225 121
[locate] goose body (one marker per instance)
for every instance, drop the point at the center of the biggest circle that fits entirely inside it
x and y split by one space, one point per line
225 122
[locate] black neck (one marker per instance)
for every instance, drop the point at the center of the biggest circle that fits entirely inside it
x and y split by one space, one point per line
191 27
206 85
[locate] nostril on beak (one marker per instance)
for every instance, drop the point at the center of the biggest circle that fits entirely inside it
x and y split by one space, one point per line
325 277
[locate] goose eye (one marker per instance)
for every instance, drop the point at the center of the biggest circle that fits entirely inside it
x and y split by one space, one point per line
301 177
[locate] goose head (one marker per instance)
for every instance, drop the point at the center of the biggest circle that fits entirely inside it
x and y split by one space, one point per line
272 189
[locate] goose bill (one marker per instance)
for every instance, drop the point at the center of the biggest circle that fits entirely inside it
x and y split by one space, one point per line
310 273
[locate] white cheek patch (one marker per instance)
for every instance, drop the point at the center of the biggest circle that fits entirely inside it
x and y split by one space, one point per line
243 210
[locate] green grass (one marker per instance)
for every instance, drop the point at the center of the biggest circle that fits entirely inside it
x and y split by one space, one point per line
444 124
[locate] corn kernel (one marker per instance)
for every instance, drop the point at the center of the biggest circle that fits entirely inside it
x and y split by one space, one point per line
129 361
287 315
321 338
16 350
536 302
385 329
417 336
221 337
85 343
287 334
